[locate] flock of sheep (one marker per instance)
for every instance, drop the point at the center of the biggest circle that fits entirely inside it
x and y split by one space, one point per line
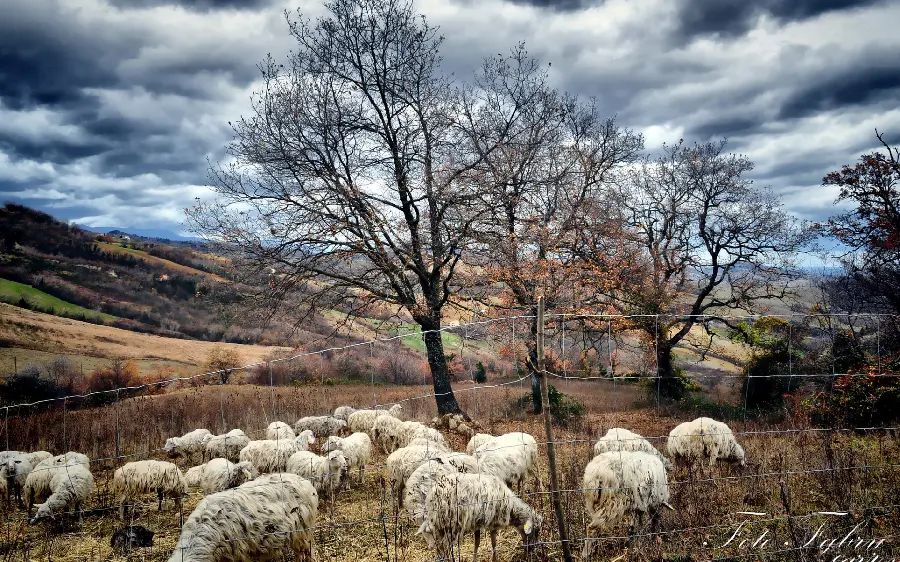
262 496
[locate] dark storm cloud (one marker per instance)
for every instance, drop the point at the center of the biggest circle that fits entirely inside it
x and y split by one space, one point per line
559 5
732 18
196 5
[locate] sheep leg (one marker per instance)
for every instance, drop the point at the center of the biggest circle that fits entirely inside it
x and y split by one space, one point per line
159 494
494 545
477 542
122 508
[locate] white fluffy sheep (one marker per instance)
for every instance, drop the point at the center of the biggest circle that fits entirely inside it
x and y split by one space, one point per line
15 470
37 484
386 432
512 457
424 477
364 420
70 487
342 412
426 442
327 473
621 483
478 440
258 520
618 439
268 455
189 444
304 440
705 439
227 446
278 431
321 426
411 430
463 503
401 463
140 477
219 474
357 449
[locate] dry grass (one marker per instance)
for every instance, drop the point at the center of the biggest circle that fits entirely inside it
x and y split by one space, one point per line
53 334
170 265
364 526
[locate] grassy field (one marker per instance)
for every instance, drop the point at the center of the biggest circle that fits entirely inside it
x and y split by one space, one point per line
12 292
140 254
820 471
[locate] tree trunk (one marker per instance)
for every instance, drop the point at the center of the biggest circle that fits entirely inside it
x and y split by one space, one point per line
535 380
440 374
670 384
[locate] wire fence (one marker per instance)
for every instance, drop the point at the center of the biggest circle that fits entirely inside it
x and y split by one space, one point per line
803 482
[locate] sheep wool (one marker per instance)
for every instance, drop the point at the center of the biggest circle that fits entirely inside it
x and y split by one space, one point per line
402 463
140 477
189 444
621 483
15 471
424 477
37 483
414 430
618 439
220 474
304 440
512 457
227 446
342 412
278 430
70 487
386 432
706 440
478 440
364 420
327 473
267 455
463 503
258 520
321 426
357 449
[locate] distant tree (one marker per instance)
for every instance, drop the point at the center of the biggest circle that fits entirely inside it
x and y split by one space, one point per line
223 359
713 245
480 373
353 181
120 374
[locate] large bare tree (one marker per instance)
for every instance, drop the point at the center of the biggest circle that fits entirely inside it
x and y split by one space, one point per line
354 178
713 243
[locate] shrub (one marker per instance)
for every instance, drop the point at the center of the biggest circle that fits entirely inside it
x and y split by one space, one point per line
223 359
766 379
862 398
120 374
28 386
480 373
564 410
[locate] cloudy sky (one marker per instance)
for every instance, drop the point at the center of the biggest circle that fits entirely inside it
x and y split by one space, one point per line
110 108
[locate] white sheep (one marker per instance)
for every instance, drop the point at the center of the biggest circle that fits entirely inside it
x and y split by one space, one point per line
621 483
511 457
70 487
363 420
220 474
188 444
424 477
401 463
618 439
4 456
327 473
426 442
705 439
478 440
37 483
304 440
342 412
268 455
140 477
414 430
258 520
357 449
227 446
321 426
278 431
462 503
15 470
386 432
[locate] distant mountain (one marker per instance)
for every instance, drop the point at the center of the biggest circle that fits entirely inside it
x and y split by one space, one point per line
160 233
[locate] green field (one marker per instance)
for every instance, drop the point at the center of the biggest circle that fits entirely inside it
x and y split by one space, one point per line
12 293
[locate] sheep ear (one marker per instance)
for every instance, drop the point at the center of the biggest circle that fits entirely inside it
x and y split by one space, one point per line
311 439
529 526
421 529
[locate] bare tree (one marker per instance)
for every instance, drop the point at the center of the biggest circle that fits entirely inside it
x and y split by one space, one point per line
541 189
714 244
353 181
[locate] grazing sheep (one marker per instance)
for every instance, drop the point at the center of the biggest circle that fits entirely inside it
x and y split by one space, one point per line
357 449
414 430
327 473
258 520
426 442
37 483
386 432
401 463
321 426
618 439
70 486
511 457
424 477
342 412
364 420
278 431
268 455
188 444
227 446
304 439
478 440
140 477
220 474
705 439
15 471
620 483
461 503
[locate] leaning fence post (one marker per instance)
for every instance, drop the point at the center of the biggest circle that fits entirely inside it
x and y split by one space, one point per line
548 429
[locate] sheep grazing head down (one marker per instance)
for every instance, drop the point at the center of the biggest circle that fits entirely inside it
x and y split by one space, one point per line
530 529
